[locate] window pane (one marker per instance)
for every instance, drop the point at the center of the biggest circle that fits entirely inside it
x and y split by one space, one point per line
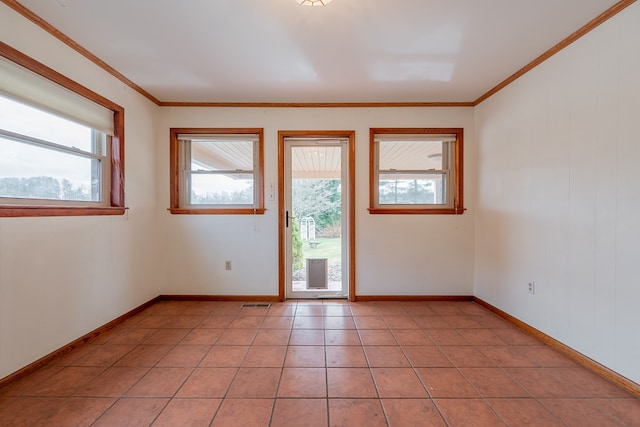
410 155
404 190
218 189
29 171
26 120
222 155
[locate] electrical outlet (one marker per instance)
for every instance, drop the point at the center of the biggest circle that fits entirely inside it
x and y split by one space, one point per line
227 265
531 288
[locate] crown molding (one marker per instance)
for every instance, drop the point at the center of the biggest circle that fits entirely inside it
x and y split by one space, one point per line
594 23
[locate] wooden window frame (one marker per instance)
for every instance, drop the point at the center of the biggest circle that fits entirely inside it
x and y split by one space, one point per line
174 172
116 204
458 205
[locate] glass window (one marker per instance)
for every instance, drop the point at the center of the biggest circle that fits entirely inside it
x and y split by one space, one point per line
216 171
43 156
61 145
416 171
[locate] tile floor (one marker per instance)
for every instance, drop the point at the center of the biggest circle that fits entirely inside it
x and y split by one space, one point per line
311 363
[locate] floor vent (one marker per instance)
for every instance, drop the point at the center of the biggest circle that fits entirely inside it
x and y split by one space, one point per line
259 305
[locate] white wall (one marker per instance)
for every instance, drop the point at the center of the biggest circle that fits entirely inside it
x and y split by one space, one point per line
63 277
395 254
558 160
557 186
558 194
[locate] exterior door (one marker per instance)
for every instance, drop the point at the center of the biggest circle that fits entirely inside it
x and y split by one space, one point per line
315 210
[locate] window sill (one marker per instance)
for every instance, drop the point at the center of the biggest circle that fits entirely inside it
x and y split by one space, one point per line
416 211
217 211
40 210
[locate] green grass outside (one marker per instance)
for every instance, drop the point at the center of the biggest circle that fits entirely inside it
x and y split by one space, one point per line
328 248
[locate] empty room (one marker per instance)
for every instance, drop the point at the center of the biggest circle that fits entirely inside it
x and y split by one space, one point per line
319 213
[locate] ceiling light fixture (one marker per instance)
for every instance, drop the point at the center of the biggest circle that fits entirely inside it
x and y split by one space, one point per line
313 2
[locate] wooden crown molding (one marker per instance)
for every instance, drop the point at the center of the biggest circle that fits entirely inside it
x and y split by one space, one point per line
594 23
13 4
588 27
315 104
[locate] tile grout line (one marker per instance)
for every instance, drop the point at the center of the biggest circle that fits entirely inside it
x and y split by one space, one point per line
389 312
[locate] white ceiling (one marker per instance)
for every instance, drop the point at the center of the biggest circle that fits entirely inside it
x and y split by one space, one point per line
348 51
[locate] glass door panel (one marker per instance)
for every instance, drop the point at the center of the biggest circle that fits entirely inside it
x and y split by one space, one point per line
315 209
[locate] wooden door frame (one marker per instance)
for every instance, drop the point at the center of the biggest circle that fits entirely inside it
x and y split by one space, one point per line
351 199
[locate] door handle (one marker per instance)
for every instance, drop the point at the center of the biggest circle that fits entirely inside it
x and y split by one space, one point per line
287 219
